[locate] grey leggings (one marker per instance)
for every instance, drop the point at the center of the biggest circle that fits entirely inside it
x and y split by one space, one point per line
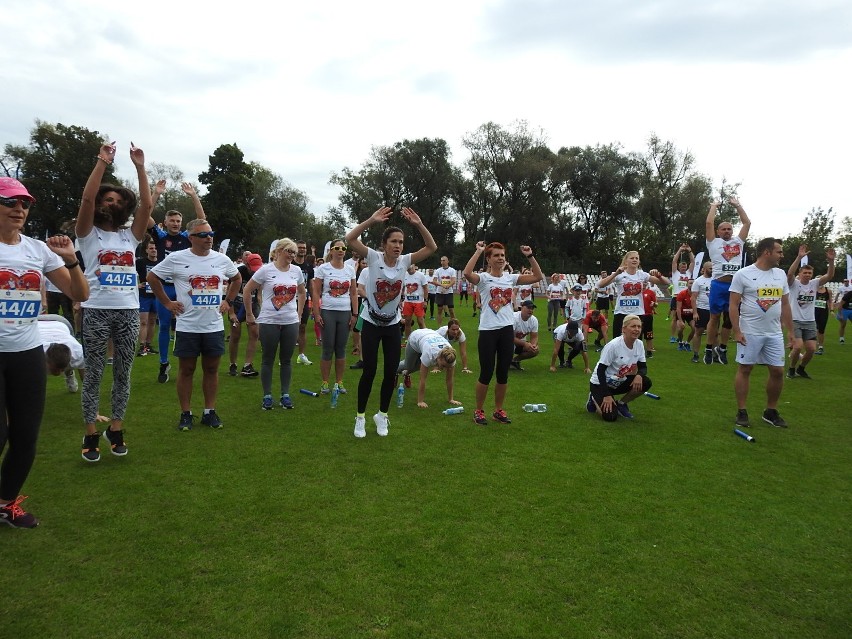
99 325
273 337
335 333
411 360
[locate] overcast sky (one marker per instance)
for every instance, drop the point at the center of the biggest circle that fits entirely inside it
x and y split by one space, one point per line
756 90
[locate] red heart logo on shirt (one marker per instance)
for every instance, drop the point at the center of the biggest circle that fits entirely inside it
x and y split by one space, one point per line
387 292
500 297
338 289
115 258
282 294
13 281
730 251
766 303
204 282
632 288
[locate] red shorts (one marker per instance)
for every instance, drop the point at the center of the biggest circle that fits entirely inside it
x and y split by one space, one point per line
418 309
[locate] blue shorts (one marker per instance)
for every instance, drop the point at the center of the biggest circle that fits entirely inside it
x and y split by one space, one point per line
147 304
719 297
844 315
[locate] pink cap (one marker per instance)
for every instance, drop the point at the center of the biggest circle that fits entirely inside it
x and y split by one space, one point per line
10 187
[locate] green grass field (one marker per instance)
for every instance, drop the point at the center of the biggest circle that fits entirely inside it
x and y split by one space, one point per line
284 525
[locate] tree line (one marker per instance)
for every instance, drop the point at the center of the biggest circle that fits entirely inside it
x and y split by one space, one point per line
581 208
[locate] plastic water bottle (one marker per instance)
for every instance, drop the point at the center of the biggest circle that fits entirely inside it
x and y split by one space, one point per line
335 393
535 408
455 410
400 396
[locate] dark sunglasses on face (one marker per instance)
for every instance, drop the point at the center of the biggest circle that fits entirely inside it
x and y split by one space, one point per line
204 234
12 201
342 249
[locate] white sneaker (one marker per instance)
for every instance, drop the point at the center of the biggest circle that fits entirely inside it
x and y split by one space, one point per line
360 427
303 359
382 424
71 383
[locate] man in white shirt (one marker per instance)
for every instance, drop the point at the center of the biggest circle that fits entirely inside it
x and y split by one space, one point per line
759 306
526 334
445 279
200 276
63 353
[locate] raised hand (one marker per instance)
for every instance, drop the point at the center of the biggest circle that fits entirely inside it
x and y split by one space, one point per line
137 156
187 188
410 215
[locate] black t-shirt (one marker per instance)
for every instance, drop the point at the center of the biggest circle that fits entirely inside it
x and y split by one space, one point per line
846 301
308 272
143 266
167 243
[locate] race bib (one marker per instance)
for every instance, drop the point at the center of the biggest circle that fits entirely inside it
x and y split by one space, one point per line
20 296
116 270
205 290
768 295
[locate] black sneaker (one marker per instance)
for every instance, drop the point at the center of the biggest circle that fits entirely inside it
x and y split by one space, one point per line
695 359
516 365
232 370
802 373
771 416
186 420
742 418
722 355
91 452
649 354
116 441
357 365
791 373
163 377
212 420
151 350
708 356
622 409
500 416
590 405
13 515
569 364
479 417
142 352
248 371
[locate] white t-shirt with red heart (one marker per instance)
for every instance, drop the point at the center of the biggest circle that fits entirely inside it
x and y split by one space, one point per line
495 294
200 282
279 289
383 286
628 292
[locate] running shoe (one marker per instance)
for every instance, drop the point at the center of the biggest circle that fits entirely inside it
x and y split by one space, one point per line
212 420
141 352
516 365
501 416
186 420
232 370
303 359
590 405
71 383
708 356
819 351
802 373
722 355
672 340
479 417
771 416
382 424
116 442
340 388
622 409
13 515
286 402
791 373
360 427
357 365
151 350
91 452
842 340
687 347
163 377
695 359
248 371
324 389
266 403
742 418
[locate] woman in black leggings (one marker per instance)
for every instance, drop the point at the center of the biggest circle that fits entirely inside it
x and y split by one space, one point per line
381 309
24 263
496 335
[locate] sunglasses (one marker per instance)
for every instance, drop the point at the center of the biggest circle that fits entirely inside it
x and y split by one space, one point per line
342 249
204 234
12 201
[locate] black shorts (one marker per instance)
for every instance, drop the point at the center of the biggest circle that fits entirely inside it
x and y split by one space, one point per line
703 318
195 344
602 303
444 299
647 326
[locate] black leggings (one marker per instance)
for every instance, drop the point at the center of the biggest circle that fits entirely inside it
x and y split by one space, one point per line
499 344
23 380
371 336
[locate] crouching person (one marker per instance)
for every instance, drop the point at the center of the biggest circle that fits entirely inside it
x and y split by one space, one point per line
621 370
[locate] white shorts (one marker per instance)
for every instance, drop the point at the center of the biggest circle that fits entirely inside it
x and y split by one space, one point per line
762 349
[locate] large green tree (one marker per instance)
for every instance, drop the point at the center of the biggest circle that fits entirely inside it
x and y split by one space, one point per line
230 190
55 166
414 173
